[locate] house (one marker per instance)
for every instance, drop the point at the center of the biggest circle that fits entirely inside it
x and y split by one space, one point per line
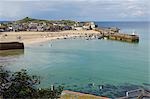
67 27
54 24
78 28
32 26
58 24
93 26
24 27
16 27
2 28
87 25
40 28
10 28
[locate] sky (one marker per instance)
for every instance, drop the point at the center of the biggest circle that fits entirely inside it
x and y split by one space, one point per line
78 10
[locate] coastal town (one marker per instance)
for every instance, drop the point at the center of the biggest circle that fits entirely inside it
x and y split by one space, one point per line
29 30
35 25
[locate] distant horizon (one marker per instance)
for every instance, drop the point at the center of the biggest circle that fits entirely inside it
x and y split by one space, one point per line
81 21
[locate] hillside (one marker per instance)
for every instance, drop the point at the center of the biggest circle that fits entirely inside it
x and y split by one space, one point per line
28 19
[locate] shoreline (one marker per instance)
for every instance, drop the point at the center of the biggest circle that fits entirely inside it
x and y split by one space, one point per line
38 37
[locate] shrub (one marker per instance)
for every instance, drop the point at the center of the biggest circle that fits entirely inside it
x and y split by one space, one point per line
22 85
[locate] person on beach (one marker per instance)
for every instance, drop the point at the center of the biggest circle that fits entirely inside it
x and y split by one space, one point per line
5 36
19 37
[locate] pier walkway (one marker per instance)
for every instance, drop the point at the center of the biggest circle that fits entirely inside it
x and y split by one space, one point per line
114 34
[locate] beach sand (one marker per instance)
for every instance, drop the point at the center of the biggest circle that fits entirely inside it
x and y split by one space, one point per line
36 37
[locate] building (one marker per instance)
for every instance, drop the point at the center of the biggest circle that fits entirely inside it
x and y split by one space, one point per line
93 26
78 28
10 28
87 25
40 28
2 28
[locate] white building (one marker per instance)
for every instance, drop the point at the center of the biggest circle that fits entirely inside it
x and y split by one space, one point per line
78 28
93 25
10 28
87 27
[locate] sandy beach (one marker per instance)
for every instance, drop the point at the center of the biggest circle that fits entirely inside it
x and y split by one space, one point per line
36 37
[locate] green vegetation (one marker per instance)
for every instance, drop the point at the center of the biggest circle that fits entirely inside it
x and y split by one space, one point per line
27 20
3 26
65 22
21 85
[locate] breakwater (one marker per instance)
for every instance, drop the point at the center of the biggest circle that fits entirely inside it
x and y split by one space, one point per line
11 45
114 34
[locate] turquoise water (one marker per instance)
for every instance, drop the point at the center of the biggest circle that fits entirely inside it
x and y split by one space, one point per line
79 62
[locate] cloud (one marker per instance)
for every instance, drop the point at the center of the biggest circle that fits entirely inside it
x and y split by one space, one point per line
135 9
12 10
75 9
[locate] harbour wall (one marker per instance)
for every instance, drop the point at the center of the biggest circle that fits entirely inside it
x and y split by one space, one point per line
11 45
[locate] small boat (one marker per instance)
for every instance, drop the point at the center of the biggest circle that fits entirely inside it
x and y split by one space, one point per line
105 38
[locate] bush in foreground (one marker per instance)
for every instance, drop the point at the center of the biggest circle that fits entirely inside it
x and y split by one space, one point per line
22 85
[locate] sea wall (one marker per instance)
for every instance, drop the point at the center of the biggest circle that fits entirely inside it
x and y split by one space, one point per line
11 45
116 35
124 37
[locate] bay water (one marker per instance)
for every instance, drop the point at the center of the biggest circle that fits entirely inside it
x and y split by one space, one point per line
78 63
